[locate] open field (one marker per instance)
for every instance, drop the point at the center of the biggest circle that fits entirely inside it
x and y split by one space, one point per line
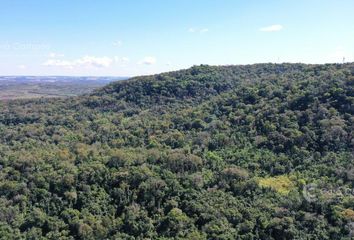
37 87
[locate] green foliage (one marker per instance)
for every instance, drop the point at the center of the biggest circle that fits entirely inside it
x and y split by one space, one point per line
203 153
282 184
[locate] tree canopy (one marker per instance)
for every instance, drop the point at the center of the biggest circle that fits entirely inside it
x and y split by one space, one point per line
210 152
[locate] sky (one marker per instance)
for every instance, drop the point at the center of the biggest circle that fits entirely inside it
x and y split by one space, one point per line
136 37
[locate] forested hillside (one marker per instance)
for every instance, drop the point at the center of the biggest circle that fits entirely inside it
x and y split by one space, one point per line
259 151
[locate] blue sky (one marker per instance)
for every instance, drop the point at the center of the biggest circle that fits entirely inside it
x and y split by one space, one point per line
126 38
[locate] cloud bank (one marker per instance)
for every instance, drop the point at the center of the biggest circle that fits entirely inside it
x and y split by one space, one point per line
86 61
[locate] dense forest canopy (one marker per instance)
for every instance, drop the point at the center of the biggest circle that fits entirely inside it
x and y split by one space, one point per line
210 152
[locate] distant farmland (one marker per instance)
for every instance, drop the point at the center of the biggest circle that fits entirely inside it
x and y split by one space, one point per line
48 87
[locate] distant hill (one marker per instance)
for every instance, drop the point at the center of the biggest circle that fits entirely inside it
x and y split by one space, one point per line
261 151
16 87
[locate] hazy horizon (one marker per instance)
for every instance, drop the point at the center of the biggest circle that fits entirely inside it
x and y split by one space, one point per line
121 76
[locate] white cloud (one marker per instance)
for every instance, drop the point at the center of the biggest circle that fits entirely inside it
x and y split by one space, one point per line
121 59
55 55
94 61
198 30
272 28
22 66
148 61
117 43
125 59
59 63
86 61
